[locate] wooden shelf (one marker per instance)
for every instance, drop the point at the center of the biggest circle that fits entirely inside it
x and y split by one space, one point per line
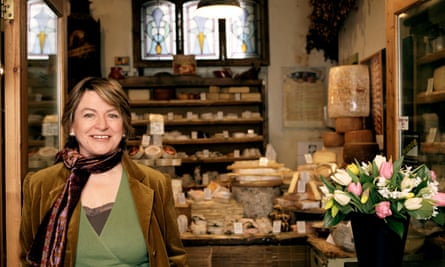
202 141
431 57
191 103
183 81
216 160
201 122
428 98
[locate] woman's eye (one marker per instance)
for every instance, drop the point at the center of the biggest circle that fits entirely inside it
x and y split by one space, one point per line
88 115
113 115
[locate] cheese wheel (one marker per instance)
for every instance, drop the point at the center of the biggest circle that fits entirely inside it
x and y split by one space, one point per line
359 136
333 139
346 124
359 151
322 156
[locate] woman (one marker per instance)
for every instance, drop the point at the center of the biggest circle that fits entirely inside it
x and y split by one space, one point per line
95 206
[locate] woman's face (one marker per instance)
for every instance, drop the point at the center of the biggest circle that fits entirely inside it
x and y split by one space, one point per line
98 126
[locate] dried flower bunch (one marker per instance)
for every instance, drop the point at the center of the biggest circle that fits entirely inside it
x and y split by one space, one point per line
387 189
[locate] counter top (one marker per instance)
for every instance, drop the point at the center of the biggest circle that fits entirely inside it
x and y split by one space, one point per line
285 238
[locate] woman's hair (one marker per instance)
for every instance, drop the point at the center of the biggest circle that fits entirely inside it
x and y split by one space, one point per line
109 90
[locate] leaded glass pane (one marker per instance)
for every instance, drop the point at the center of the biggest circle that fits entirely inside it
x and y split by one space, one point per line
241 33
158 31
42 29
201 34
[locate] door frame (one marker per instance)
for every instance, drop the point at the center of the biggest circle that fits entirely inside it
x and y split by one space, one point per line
15 120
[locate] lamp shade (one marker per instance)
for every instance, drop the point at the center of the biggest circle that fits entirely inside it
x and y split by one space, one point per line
218 8
348 91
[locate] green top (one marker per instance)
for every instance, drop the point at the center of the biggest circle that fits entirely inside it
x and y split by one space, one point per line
120 243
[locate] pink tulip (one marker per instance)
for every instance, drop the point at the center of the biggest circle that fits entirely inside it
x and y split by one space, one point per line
386 170
433 175
440 199
355 188
383 209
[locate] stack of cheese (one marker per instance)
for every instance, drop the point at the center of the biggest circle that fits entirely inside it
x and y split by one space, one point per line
303 191
349 105
358 142
262 172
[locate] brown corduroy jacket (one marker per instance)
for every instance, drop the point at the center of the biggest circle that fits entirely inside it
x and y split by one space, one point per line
153 197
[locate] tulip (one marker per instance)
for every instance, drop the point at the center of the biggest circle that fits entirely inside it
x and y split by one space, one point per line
379 159
353 168
440 199
355 188
341 177
407 183
386 170
365 196
341 197
433 175
414 203
383 209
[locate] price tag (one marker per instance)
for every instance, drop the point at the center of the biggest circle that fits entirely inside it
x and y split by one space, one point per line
156 124
263 161
276 226
301 227
145 140
238 228
181 198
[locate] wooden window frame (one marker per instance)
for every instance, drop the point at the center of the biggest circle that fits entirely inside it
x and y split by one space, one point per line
263 43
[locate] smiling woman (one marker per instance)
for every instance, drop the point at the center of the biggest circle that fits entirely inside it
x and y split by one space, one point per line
98 204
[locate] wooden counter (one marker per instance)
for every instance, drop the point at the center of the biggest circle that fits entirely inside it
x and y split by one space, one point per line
283 249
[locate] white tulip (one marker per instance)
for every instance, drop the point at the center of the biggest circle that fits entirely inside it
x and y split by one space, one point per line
341 197
341 177
414 203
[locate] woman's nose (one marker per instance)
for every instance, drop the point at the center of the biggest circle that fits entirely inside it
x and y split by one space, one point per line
102 122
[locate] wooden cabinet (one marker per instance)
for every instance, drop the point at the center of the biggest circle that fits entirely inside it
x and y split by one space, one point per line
208 121
416 82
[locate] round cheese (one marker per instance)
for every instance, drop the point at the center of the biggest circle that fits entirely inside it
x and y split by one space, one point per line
359 151
346 124
359 136
333 139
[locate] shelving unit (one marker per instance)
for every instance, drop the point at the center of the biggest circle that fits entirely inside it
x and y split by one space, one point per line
223 127
416 50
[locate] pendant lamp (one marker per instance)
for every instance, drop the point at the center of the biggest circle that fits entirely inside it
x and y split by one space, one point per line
218 8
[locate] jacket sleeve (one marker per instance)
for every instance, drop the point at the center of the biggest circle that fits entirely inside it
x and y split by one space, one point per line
175 248
26 225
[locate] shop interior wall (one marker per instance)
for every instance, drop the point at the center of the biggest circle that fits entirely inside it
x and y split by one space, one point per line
288 24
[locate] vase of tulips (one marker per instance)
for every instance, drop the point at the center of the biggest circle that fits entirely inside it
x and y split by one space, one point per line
380 197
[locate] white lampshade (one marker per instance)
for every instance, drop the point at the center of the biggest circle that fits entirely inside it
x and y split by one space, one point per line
218 8
348 91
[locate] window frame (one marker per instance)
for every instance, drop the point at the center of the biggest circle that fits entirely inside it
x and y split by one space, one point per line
263 43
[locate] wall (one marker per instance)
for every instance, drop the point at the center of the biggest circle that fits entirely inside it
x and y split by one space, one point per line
364 30
288 24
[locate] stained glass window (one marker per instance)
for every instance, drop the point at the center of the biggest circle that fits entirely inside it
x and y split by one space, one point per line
42 30
165 28
158 31
201 38
241 34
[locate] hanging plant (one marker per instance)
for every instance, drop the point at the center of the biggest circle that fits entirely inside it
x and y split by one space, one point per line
326 19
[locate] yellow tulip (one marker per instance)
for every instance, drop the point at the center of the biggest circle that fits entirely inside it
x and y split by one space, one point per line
410 195
365 196
329 204
353 168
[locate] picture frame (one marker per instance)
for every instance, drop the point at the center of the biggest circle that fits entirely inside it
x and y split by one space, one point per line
304 96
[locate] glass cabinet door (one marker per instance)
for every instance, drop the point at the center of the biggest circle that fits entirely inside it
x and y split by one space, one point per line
43 85
421 69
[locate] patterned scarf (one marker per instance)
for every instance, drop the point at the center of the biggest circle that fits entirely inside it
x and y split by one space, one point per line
48 247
